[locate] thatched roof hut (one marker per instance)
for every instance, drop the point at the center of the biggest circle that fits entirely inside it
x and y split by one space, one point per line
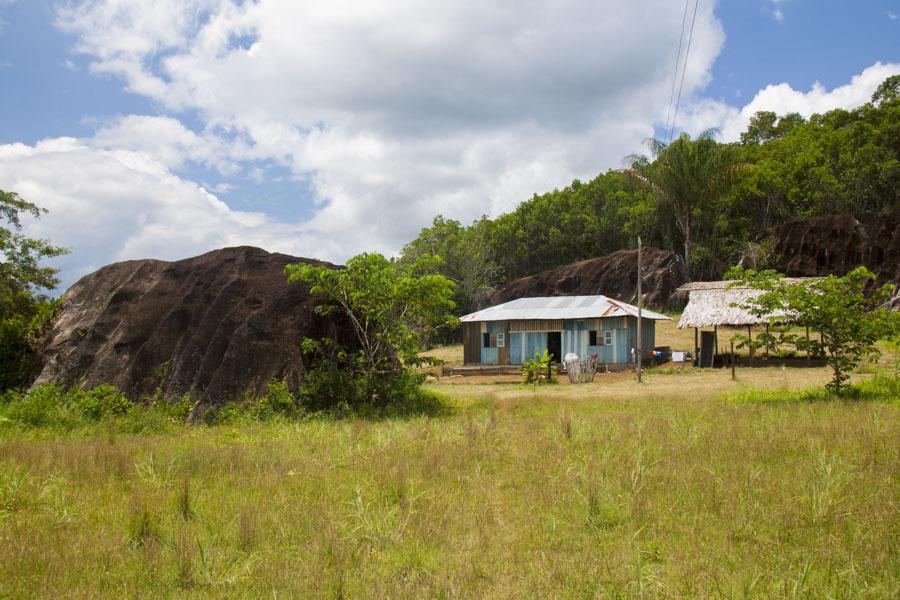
710 304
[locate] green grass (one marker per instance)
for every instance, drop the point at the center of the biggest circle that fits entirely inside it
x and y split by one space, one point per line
674 488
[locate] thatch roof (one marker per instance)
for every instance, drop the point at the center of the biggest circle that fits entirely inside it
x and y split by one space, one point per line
710 304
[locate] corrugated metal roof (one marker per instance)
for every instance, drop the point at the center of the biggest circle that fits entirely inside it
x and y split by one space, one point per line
560 307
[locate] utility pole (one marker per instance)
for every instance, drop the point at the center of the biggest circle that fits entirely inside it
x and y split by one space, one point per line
639 344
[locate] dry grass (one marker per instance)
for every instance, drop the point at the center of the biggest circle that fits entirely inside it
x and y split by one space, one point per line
609 490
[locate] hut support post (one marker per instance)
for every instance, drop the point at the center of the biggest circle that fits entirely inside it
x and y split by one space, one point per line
696 348
712 358
750 343
767 340
732 359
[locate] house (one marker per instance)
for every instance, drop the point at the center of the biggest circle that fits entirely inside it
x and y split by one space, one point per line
512 332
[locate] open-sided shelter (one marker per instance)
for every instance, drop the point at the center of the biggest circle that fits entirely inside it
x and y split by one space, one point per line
510 333
718 304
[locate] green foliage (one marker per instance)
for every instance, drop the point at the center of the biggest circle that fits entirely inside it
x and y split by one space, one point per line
45 405
691 177
467 259
23 309
390 308
52 406
100 402
538 370
849 320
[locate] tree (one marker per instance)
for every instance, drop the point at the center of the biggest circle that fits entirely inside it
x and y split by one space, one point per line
888 91
390 308
23 307
690 176
21 274
466 259
849 320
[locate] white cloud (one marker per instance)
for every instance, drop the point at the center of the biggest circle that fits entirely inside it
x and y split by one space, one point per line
168 141
782 99
398 110
119 205
892 16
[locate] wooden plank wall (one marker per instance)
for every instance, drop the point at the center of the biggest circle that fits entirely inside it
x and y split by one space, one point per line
471 343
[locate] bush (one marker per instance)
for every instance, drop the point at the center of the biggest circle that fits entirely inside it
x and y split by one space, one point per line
53 406
279 400
45 405
101 402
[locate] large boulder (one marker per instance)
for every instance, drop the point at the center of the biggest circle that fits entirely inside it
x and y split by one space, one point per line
613 275
836 244
215 326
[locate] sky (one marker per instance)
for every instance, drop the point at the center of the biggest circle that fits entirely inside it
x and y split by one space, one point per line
325 128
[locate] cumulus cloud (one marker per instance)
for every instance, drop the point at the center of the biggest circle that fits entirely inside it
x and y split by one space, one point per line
398 110
119 205
783 99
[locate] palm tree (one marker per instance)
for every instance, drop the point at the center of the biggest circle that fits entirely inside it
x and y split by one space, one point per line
688 175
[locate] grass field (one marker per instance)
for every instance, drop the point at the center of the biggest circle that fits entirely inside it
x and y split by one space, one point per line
667 489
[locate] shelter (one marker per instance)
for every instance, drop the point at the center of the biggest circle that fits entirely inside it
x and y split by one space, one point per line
510 333
718 304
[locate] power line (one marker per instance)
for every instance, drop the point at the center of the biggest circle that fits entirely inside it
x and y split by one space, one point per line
687 53
677 62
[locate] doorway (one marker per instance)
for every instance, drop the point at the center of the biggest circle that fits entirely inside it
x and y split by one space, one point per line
554 345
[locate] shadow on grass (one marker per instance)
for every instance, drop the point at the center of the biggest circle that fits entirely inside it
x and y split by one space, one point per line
425 403
877 389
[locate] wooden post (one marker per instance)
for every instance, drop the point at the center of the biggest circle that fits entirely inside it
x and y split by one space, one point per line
767 341
712 358
732 359
750 343
696 349
639 344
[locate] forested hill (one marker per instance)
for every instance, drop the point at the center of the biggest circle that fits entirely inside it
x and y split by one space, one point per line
708 201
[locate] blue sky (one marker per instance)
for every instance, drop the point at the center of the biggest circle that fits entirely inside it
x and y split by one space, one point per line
329 128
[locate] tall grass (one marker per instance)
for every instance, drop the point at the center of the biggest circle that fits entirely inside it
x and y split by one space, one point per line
607 491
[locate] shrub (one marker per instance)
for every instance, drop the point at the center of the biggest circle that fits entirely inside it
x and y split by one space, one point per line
278 400
100 402
45 405
538 370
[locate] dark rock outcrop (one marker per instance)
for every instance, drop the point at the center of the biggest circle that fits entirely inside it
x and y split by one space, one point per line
613 275
214 326
835 244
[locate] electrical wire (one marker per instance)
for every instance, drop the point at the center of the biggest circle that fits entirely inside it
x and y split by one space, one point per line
687 53
677 62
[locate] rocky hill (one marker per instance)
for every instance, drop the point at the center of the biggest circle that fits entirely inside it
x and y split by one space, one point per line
613 275
214 326
835 244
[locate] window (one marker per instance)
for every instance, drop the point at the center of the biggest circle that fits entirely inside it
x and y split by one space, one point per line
492 340
607 338
592 338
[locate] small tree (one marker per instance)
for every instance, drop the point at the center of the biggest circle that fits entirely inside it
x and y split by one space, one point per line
389 309
849 320
23 308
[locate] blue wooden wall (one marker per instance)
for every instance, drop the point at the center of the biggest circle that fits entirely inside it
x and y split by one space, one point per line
523 345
